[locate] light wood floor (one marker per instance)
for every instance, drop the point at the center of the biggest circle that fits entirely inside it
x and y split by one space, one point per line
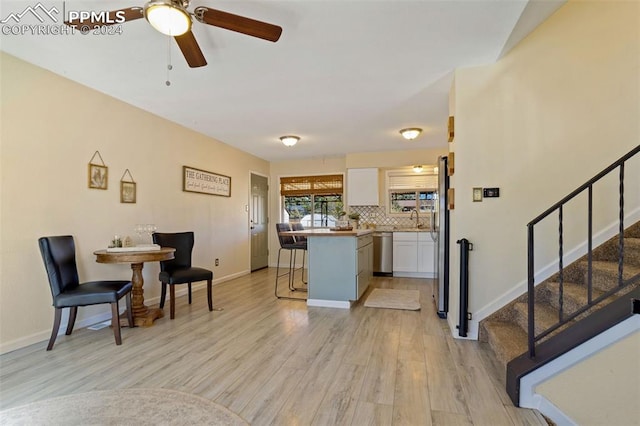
280 362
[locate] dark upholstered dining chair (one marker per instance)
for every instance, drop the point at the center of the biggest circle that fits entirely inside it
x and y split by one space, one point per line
59 256
179 269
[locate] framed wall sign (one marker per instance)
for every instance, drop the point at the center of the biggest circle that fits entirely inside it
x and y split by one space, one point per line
204 182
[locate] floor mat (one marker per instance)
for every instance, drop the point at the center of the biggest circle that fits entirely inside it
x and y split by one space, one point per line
394 299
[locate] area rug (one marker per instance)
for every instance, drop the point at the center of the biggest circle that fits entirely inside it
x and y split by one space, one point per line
394 299
122 407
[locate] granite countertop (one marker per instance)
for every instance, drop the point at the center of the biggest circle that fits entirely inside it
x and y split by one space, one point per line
401 229
325 232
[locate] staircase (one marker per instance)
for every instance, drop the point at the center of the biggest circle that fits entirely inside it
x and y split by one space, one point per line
506 329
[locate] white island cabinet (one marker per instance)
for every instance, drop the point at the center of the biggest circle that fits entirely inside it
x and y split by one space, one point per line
362 187
413 255
340 265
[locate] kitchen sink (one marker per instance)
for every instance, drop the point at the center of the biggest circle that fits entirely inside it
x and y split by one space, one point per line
410 229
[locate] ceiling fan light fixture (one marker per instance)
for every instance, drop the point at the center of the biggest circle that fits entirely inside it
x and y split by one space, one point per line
289 140
417 169
410 133
167 17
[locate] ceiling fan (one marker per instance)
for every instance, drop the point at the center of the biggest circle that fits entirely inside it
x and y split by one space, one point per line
171 17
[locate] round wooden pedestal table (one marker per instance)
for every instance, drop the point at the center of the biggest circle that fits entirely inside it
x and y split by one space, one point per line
142 315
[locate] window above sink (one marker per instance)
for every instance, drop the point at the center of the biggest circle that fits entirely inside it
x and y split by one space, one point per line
406 191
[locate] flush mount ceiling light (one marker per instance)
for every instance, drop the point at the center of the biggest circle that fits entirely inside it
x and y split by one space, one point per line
410 133
168 18
289 140
417 169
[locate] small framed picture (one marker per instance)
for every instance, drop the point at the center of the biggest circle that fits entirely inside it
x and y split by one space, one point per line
127 192
98 176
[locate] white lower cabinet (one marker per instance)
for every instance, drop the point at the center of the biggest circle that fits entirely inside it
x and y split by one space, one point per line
405 252
426 254
413 255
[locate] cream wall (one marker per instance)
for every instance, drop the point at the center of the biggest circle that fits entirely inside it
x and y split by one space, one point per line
392 159
615 370
50 129
556 110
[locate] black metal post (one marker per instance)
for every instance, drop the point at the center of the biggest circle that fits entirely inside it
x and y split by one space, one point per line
560 264
465 247
621 237
590 248
531 291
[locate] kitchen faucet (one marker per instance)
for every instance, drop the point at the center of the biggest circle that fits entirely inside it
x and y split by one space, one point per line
417 217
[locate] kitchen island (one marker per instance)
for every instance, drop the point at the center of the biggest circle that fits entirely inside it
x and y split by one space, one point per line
340 265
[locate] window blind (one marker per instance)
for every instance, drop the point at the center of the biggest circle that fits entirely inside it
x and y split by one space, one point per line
413 181
311 185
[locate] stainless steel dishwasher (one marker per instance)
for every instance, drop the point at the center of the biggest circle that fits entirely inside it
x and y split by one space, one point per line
383 253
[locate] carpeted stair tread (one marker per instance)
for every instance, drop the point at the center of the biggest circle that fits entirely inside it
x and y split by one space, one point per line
605 274
632 252
633 231
610 251
575 295
545 316
507 340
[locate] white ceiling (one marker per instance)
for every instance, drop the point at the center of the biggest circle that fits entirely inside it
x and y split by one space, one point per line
345 76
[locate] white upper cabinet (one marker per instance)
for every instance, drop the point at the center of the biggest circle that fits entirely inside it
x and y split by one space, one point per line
362 187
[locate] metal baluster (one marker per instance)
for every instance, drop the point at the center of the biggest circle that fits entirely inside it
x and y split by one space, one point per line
621 239
561 265
531 291
590 248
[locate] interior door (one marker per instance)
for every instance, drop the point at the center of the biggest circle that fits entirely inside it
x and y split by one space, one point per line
258 221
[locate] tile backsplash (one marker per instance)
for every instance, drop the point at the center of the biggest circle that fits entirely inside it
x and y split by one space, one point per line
377 215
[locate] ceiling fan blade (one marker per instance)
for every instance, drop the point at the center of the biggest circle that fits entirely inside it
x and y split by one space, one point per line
190 49
238 23
115 17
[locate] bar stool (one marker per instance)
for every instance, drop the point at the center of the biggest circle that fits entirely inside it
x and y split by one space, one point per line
301 241
288 242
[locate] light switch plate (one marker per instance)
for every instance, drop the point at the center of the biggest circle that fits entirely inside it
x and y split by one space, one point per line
477 194
491 192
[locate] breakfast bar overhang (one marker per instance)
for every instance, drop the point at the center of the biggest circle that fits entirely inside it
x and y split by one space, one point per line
340 265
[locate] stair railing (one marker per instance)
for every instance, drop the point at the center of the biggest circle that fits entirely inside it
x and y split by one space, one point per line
558 207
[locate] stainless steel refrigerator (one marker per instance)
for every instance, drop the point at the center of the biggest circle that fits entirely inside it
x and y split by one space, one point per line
440 236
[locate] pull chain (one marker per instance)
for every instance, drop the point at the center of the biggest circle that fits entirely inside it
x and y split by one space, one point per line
169 66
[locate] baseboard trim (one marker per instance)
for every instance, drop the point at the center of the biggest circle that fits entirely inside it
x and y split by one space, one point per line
329 303
43 336
552 412
472 330
414 274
